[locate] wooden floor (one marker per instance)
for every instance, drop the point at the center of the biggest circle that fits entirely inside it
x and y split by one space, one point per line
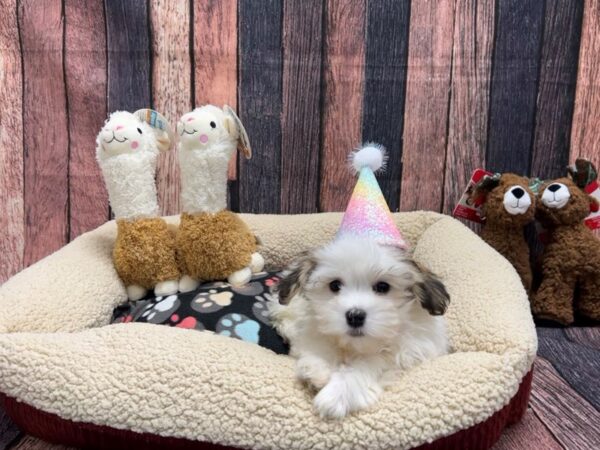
564 410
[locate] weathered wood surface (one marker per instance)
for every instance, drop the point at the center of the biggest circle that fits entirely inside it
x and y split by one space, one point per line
556 90
85 74
578 364
426 109
31 443
573 421
172 88
300 126
215 56
514 84
585 133
260 103
384 89
9 432
12 240
45 129
128 52
343 73
469 98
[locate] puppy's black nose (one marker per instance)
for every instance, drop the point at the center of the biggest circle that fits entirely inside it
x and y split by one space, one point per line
518 192
356 317
554 187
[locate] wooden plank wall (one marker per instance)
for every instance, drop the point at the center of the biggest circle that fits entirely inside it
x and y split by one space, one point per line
446 86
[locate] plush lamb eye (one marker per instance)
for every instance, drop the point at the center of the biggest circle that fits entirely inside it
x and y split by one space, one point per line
381 287
139 130
335 286
213 125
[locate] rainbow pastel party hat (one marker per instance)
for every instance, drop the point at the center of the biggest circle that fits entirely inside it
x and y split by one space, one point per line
368 214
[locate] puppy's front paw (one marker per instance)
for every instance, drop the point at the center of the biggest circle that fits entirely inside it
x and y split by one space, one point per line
313 371
332 401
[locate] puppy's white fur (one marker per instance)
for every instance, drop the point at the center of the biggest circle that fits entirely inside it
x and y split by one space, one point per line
350 367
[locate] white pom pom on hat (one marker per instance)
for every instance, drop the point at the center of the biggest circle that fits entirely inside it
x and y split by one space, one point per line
370 155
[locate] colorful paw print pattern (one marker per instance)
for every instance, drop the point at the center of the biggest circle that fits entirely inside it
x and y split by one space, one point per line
240 313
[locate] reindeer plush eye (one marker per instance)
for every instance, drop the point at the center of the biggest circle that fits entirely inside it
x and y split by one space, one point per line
139 130
213 125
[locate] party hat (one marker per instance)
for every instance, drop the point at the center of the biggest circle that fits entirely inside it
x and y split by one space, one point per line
368 214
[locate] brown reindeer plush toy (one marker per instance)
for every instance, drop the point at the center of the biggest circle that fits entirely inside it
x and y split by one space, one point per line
571 258
508 205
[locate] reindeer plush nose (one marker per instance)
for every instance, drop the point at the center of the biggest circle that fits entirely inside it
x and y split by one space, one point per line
554 187
518 192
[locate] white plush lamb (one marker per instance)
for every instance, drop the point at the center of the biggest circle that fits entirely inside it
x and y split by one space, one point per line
212 243
144 255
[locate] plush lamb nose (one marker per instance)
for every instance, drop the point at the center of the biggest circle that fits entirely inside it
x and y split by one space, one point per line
118 127
518 192
554 187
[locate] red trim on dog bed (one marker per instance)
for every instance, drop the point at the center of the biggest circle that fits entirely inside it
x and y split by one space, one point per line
53 428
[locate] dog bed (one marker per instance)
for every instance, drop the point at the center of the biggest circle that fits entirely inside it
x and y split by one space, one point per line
68 377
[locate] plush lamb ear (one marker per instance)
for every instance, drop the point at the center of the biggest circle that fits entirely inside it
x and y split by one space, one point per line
431 292
295 278
163 142
234 126
160 125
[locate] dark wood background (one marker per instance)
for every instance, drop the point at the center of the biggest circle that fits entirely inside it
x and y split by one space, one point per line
447 86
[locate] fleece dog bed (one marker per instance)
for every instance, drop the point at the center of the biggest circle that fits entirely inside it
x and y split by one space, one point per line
68 377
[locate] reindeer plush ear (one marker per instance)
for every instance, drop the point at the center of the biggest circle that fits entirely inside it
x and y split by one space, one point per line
234 126
583 172
431 292
295 278
485 186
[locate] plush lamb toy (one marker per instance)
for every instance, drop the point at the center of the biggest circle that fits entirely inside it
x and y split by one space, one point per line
571 258
212 243
144 255
508 205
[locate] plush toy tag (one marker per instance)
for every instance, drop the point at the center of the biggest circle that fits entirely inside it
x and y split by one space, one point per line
158 121
243 143
468 206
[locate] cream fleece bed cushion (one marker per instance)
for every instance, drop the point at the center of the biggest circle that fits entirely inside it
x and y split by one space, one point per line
57 353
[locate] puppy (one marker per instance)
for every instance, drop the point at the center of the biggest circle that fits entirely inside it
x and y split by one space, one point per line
357 311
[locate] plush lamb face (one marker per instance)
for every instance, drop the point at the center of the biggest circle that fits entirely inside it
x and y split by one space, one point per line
205 126
124 133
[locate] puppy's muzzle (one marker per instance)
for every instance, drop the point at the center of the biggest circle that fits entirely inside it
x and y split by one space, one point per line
355 317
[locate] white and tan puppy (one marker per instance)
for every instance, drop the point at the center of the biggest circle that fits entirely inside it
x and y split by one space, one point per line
356 312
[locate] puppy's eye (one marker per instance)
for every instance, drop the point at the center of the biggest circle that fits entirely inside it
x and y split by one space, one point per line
213 125
381 287
139 130
335 286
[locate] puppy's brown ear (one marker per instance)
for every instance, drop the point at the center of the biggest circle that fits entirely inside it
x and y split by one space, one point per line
296 277
431 292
